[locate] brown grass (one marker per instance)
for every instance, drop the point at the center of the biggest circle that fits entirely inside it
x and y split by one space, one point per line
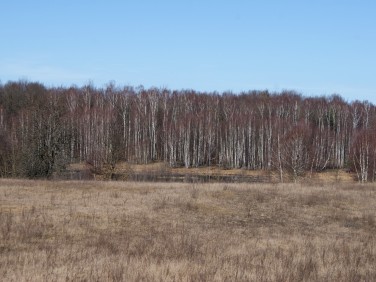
124 231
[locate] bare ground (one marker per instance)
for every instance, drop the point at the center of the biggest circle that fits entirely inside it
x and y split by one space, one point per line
126 231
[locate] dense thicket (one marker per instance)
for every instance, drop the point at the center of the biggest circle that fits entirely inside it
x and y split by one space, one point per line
43 129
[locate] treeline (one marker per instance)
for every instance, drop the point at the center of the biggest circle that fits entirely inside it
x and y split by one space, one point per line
44 129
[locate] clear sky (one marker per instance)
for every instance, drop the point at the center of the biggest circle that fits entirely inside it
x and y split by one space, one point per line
314 47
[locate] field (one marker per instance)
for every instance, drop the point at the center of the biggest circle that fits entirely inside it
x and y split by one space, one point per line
128 231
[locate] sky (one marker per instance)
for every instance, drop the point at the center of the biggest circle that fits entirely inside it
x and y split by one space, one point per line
313 47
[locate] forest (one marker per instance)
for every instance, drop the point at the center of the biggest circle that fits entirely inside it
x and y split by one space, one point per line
44 129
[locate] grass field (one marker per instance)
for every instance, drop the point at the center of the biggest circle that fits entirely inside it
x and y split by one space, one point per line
126 231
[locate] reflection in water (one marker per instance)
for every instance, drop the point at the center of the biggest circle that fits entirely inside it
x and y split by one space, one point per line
190 178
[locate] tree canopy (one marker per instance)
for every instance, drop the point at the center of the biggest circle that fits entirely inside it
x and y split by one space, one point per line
43 129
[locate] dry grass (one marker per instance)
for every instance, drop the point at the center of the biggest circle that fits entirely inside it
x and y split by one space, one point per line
124 231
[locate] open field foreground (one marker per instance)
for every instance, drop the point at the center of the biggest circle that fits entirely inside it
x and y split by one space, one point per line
125 231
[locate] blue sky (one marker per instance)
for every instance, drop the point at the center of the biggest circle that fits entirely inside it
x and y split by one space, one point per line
314 47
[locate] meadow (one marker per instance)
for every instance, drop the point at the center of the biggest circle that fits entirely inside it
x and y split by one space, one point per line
143 231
